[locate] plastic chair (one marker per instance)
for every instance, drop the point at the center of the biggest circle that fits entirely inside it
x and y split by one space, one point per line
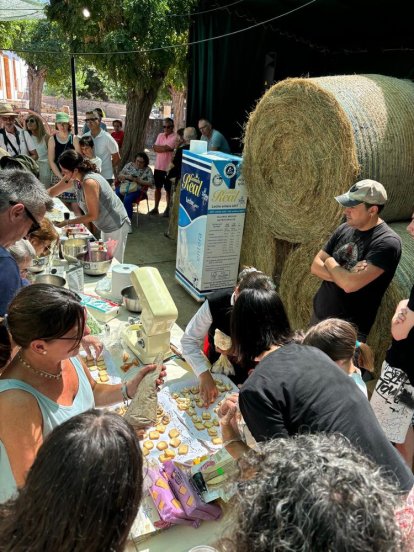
142 196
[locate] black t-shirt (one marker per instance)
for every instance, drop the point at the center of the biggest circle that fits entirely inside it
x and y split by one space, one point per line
298 389
401 353
379 246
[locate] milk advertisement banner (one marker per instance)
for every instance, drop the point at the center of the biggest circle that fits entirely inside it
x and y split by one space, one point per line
210 223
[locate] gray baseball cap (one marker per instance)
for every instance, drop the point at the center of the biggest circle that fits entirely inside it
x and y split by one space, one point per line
364 191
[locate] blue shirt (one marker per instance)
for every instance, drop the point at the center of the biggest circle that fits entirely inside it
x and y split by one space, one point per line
10 281
217 141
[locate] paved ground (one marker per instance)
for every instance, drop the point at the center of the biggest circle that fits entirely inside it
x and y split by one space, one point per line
148 246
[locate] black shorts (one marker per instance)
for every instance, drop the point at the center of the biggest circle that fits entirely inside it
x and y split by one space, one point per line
160 180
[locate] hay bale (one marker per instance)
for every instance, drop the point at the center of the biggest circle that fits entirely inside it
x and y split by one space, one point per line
260 249
380 335
298 287
310 139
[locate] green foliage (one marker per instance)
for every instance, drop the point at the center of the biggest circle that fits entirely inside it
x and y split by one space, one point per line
139 25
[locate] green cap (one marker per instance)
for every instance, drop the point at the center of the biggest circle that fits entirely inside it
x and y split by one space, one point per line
62 117
364 191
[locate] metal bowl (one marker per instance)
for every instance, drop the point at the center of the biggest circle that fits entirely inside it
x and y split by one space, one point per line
131 299
73 247
38 264
52 279
94 268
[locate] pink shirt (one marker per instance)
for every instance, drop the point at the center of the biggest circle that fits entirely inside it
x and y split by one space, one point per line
164 159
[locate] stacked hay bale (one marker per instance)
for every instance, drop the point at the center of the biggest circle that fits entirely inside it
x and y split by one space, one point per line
307 141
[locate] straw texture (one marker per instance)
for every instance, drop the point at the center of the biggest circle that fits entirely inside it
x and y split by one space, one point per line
309 140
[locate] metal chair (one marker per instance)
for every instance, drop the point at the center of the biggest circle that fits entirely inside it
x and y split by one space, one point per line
142 196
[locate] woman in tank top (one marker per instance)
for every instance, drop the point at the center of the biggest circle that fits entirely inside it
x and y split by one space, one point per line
45 383
96 198
35 127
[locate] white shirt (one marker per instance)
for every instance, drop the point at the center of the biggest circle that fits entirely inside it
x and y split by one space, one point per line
193 339
104 147
26 142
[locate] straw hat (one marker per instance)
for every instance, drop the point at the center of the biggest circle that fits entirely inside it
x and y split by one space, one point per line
6 110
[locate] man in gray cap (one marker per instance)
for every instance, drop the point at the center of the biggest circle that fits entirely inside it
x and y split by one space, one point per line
359 260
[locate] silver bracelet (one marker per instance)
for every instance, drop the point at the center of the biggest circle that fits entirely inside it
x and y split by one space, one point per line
232 441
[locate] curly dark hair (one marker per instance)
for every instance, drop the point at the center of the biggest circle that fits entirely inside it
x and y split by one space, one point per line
313 493
72 160
83 491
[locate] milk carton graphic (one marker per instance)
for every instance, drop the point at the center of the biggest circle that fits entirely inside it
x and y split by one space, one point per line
210 223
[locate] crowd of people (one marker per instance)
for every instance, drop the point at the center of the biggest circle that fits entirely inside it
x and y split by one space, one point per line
325 461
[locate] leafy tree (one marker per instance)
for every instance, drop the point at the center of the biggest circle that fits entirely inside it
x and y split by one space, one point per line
40 40
145 26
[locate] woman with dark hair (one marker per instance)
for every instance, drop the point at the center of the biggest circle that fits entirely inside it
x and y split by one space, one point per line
96 199
45 383
135 177
338 339
87 477
295 388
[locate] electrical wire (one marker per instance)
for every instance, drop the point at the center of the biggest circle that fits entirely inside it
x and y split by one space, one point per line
171 46
205 11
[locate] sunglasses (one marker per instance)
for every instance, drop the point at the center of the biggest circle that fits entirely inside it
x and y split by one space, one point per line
31 120
35 224
89 120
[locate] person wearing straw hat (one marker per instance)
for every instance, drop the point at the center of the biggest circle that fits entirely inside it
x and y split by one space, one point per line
359 260
14 139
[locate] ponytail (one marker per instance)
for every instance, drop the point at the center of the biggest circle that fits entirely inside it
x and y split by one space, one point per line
365 356
5 342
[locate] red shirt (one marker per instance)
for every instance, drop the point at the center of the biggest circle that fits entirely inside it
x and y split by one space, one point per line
118 136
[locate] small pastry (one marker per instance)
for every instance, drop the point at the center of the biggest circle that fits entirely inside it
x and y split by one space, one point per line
212 432
169 453
92 368
216 422
206 416
154 435
191 411
183 449
166 419
208 424
162 445
175 442
199 426
175 396
148 445
163 458
173 433
145 452
196 419
194 390
217 441
160 428
104 377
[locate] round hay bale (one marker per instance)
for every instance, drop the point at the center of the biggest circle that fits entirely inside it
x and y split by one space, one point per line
298 287
380 335
309 140
260 249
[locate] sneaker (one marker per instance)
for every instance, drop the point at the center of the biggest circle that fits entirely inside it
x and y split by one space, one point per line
154 211
166 213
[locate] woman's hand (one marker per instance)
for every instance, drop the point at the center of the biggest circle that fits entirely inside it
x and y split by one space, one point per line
89 341
208 388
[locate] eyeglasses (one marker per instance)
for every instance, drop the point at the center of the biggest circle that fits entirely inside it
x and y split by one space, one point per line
31 120
36 225
89 120
202 127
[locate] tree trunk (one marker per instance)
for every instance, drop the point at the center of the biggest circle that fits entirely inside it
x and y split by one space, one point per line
178 98
138 109
36 77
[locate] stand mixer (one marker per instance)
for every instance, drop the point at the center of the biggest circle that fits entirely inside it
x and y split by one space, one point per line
159 313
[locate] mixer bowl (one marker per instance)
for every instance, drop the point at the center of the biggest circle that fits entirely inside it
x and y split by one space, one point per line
94 268
52 279
73 247
131 299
